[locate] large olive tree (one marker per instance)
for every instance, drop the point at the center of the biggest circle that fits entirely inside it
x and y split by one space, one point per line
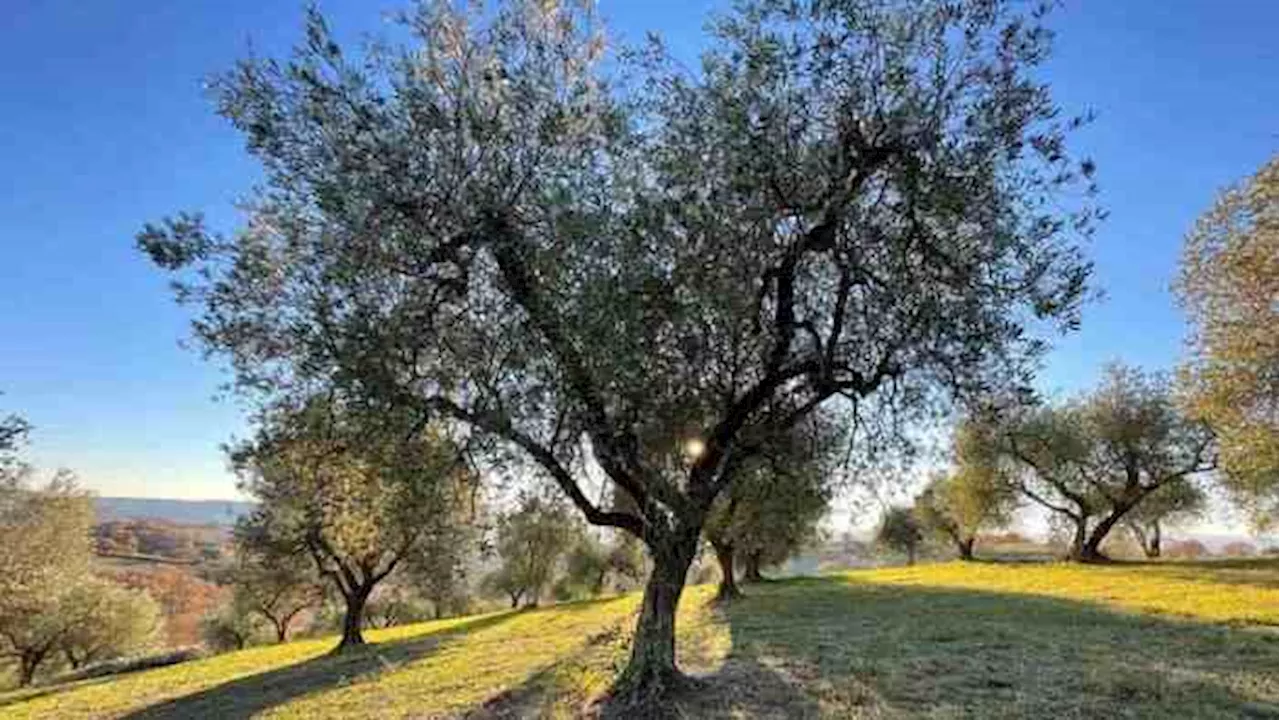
853 200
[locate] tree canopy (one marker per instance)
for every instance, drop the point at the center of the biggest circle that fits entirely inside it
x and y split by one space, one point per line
976 494
869 202
1229 284
44 557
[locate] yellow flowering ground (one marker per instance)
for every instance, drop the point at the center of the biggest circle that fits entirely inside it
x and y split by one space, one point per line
946 640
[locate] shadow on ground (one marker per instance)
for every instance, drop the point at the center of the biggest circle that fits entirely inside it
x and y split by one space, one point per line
861 650
829 647
248 696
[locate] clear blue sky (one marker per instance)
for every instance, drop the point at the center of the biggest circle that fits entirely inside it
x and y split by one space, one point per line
105 127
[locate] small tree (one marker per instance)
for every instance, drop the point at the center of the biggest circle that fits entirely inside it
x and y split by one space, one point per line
357 497
106 621
44 557
1172 504
443 573
1228 285
975 496
532 539
232 626
271 578
900 531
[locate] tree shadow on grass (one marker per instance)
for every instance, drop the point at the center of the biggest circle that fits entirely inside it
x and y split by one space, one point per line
739 689
248 696
862 650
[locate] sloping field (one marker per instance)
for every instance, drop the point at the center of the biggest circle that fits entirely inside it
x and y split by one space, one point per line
938 641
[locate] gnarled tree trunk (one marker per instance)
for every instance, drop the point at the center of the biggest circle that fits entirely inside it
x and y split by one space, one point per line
965 547
28 662
1091 550
651 671
353 619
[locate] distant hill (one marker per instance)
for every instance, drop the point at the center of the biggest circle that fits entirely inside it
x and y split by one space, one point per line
188 512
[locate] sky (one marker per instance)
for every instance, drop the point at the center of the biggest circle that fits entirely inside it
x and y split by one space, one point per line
106 126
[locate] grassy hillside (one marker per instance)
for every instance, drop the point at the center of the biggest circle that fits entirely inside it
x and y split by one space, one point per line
950 640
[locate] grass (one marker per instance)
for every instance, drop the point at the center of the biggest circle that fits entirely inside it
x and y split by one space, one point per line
937 641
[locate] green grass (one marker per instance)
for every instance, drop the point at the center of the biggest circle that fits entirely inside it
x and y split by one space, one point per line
938 641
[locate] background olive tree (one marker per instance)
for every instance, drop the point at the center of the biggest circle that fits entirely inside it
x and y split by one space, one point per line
532 540
44 556
1166 508
853 204
1094 458
355 496
773 507
899 530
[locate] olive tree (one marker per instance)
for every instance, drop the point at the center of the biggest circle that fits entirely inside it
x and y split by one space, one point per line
773 507
1174 503
105 620
44 557
1228 285
899 530
355 496
1094 459
532 540
974 496
271 578
599 266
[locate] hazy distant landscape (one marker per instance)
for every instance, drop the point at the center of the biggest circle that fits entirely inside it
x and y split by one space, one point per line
189 512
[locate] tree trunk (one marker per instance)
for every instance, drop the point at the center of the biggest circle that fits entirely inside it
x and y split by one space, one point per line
651 671
1077 540
965 546
282 630
751 572
72 660
1152 547
353 620
911 554
728 586
1091 550
27 665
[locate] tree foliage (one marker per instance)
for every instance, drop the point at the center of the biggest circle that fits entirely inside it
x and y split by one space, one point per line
272 579
106 621
862 201
776 501
975 496
1228 285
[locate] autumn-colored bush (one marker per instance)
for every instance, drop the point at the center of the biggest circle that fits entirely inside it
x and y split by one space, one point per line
183 597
